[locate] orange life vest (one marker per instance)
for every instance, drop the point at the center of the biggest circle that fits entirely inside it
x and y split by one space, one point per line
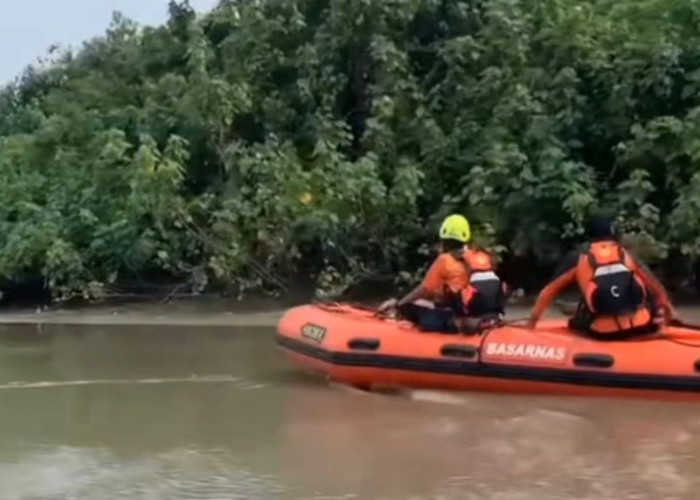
612 291
485 293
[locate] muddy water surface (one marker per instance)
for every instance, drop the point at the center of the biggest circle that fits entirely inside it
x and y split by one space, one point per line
128 412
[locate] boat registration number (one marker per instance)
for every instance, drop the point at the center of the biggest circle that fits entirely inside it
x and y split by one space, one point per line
313 332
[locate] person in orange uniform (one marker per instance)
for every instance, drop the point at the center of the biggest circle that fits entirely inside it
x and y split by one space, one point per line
621 298
467 293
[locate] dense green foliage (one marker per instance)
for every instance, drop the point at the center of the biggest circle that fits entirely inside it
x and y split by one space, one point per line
267 140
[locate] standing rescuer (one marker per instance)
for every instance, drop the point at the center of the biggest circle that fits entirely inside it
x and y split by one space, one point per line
467 293
621 297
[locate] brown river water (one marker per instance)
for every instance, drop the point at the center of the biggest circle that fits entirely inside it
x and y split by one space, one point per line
215 412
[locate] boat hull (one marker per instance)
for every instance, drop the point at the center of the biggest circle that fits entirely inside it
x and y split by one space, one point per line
352 346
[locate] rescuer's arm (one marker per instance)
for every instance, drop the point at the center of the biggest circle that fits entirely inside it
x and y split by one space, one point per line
431 284
549 293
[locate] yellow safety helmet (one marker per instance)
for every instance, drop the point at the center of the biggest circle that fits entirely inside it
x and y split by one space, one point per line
455 227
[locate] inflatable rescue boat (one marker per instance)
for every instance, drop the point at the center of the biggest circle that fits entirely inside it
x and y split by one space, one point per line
353 346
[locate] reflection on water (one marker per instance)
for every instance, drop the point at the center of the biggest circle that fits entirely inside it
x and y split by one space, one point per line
214 413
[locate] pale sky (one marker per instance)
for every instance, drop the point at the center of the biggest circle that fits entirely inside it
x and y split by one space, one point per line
29 27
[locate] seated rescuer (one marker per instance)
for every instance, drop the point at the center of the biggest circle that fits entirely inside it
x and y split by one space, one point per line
620 296
468 294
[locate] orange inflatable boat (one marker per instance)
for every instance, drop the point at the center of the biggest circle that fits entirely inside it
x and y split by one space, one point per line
354 346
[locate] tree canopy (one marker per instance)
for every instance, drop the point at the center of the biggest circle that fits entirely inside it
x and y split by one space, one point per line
326 138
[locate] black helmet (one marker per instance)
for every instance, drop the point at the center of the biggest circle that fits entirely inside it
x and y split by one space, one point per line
599 227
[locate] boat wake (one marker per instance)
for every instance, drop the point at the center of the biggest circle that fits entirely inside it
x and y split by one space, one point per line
194 379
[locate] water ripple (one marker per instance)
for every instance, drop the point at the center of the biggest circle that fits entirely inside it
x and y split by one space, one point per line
68 473
194 379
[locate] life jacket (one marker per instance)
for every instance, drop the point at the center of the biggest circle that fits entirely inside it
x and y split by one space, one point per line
612 292
485 293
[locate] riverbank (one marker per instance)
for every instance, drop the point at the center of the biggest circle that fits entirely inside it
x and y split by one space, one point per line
215 311
191 312
201 311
